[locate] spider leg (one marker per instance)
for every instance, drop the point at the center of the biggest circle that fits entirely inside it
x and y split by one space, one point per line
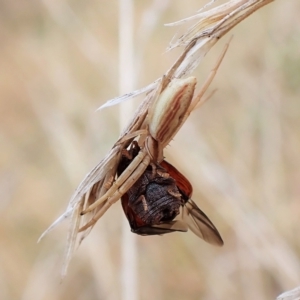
130 181
197 100
134 165
132 135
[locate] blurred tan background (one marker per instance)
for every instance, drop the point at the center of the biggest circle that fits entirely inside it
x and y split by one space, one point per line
241 151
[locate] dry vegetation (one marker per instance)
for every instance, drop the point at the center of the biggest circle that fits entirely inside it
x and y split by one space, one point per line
59 62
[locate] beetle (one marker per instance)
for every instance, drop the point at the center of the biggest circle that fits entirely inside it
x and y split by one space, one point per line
153 204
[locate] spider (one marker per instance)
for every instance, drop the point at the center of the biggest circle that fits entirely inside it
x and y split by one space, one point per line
173 102
163 121
165 117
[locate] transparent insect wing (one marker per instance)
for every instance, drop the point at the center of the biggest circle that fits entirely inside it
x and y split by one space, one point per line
200 224
166 227
195 218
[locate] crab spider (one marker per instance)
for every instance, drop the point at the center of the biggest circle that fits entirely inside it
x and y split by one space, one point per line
165 117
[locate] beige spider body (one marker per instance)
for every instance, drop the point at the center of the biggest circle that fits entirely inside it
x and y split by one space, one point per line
170 109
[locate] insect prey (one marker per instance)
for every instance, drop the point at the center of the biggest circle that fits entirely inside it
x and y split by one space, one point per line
161 195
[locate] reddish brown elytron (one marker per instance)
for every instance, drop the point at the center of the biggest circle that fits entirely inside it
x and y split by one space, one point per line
153 204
